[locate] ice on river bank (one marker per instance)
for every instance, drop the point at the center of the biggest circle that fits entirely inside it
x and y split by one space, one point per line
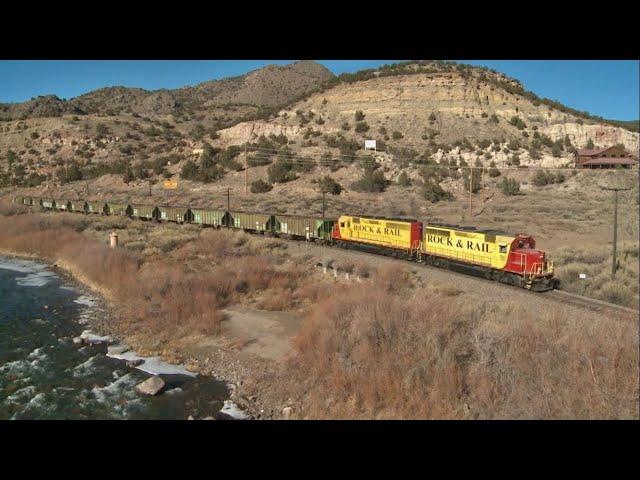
151 365
37 274
232 410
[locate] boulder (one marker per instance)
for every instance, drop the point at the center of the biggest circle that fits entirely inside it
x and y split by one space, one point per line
77 341
151 386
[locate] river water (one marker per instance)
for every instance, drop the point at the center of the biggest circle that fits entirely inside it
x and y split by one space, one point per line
45 375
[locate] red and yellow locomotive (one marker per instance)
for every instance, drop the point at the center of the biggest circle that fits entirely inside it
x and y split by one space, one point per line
494 255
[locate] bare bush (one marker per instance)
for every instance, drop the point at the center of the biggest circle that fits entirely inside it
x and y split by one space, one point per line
433 356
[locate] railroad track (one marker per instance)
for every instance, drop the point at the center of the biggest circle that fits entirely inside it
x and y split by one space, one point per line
557 296
590 303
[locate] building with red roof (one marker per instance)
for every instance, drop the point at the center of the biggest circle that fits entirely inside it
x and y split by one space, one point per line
607 157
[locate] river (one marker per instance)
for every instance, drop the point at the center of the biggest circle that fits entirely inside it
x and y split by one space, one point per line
45 375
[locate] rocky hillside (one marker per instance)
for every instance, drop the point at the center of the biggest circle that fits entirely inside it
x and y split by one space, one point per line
270 86
297 116
441 111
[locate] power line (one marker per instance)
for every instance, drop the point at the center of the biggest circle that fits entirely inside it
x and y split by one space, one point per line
314 159
359 161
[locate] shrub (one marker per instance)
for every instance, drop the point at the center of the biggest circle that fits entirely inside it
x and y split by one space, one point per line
359 116
510 186
189 170
226 158
128 176
542 178
139 171
34 135
362 127
494 118
260 186
281 171
476 184
590 144
396 135
434 193
258 160
517 122
197 132
371 181
101 130
514 145
329 185
70 174
404 180
345 126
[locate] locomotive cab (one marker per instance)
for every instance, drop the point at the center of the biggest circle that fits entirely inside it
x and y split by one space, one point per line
526 260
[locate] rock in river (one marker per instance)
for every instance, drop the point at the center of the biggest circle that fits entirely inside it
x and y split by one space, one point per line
151 386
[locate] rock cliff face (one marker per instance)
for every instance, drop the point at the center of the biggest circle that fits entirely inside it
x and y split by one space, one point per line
444 111
602 135
430 109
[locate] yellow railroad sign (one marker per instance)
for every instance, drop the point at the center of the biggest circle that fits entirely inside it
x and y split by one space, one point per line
173 184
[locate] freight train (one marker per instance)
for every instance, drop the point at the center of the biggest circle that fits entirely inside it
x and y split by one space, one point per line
495 255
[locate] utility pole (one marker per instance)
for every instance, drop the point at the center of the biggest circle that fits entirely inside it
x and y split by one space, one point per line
470 190
615 226
246 169
323 195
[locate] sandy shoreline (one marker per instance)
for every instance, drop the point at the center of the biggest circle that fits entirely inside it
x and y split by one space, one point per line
103 324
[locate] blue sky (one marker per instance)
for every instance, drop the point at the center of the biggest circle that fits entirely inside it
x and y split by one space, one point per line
607 88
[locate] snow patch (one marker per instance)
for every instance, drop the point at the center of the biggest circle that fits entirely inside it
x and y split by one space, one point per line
232 410
92 338
37 279
85 300
152 365
22 266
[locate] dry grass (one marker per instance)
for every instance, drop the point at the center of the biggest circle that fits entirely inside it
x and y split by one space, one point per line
178 292
162 299
433 356
8 208
404 352
596 264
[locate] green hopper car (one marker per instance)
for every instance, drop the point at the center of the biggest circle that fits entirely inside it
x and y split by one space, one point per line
203 216
48 203
122 209
96 207
309 228
257 222
175 214
78 206
61 204
147 212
